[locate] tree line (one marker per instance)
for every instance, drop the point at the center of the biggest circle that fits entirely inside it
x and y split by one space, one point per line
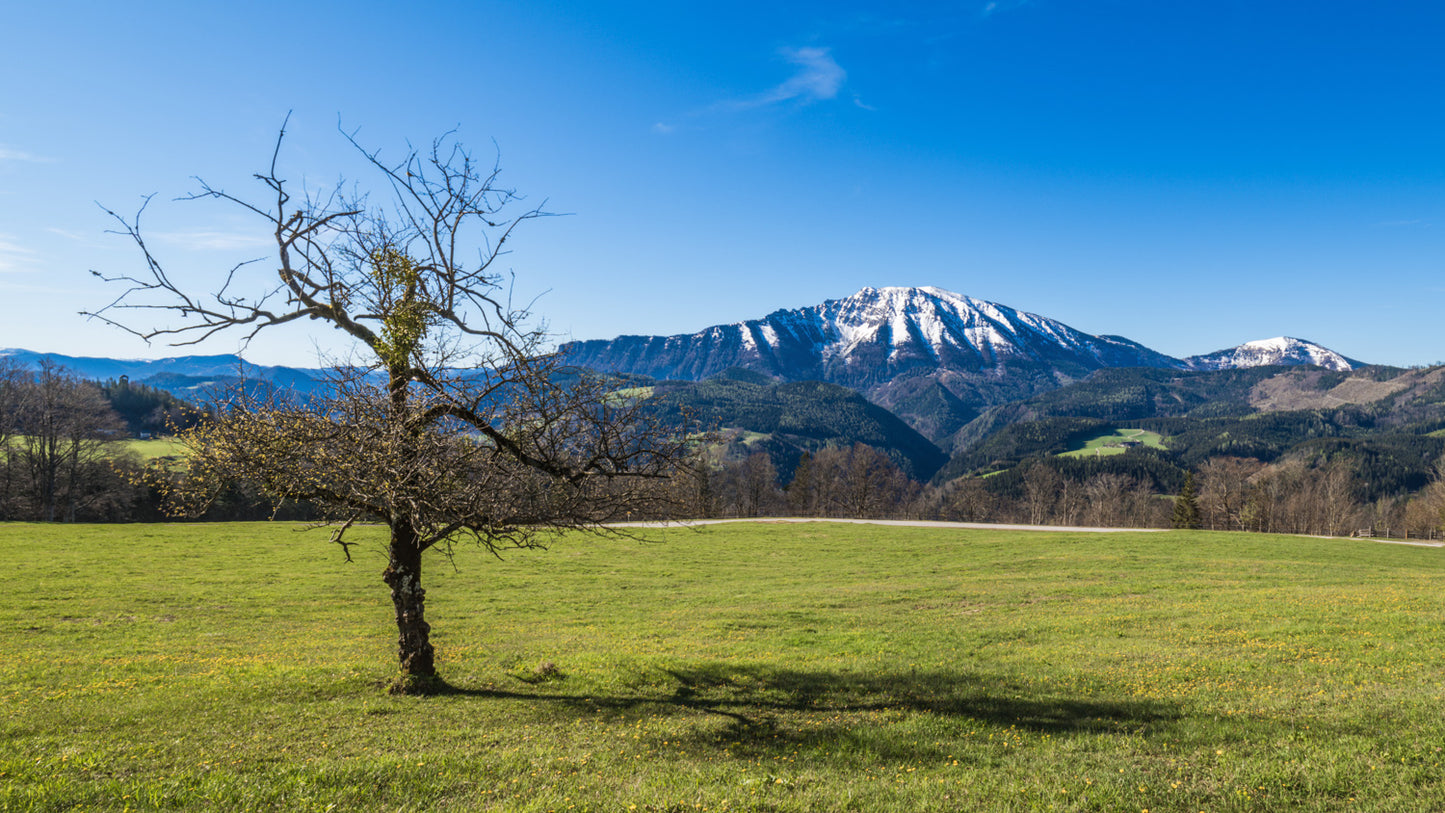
1326 493
57 433
65 462
861 482
65 459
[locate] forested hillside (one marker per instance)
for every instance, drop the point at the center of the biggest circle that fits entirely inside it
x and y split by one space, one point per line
147 411
66 451
806 416
1277 449
1305 449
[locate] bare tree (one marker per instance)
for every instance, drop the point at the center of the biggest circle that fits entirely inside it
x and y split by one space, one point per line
14 387
1144 509
1105 495
966 499
860 481
65 430
1072 501
1293 497
749 487
1424 514
1042 484
1389 515
452 422
1271 497
1336 496
1224 482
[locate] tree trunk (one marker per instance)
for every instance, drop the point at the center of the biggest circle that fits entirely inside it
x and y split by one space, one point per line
414 650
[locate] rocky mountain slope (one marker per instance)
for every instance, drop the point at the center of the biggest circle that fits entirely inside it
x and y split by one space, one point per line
870 338
936 358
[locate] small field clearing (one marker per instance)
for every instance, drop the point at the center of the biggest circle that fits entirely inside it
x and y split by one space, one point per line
1116 441
154 448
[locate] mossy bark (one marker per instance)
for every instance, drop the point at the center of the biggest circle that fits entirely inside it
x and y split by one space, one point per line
413 643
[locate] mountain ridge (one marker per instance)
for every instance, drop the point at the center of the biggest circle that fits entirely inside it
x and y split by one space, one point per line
199 366
864 339
937 359
897 345
872 336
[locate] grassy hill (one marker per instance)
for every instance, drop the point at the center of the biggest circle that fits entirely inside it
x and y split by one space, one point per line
153 448
741 667
1116 441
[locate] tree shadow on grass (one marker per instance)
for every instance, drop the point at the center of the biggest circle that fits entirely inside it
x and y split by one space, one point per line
765 711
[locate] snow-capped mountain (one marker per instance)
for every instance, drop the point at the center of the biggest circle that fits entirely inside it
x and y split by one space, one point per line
870 338
1281 350
935 358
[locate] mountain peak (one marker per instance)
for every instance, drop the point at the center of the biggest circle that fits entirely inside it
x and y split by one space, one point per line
1281 350
903 297
871 337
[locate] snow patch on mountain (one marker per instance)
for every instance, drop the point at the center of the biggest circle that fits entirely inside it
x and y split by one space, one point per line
1281 350
871 337
879 334
934 323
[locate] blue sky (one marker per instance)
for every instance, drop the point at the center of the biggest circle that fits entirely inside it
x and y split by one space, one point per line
1190 175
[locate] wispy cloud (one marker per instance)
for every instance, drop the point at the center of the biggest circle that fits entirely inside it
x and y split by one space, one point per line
31 288
213 240
993 7
819 77
12 154
69 235
14 258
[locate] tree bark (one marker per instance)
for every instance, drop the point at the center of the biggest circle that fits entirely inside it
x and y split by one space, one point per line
414 649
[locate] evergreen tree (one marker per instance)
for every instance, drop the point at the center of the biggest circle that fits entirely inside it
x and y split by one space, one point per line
1186 505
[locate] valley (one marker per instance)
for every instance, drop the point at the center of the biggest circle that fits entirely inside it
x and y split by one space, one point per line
968 402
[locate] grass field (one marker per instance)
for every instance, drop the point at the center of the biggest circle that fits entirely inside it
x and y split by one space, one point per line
630 394
741 667
154 448
149 449
1112 443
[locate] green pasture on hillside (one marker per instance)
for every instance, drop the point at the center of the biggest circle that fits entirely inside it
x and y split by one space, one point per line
626 394
770 667
154 448
1112 443
148 449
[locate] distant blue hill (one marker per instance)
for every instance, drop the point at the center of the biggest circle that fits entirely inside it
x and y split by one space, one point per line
189 377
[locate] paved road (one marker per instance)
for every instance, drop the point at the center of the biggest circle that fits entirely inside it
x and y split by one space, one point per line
981 526
911 523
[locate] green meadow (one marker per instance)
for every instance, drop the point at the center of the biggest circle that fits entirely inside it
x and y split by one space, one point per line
1112 443
154 448
760 666
145 450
